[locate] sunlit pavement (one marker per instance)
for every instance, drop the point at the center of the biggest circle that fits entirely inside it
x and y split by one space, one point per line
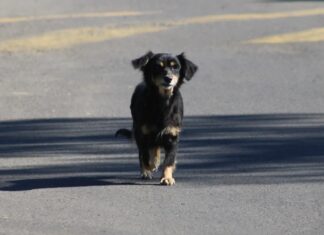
251 158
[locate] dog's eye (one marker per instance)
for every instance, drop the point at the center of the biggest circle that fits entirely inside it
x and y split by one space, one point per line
161 64
174 65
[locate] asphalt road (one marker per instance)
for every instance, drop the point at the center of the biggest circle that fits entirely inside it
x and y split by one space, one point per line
251 157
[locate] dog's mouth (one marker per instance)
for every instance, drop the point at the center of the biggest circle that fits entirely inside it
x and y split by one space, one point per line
168 82
167 85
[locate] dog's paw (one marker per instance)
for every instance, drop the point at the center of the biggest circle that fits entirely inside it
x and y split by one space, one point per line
167 181
146 175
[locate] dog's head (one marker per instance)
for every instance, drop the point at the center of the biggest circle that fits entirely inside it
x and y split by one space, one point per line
165 71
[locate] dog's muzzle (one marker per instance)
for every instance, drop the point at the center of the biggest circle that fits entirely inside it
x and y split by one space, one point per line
167 81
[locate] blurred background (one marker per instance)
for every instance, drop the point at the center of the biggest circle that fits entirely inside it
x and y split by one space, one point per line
71 58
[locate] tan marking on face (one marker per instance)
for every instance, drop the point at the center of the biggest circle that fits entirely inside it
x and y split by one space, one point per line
166 91
167 177
172 63
161 64
174 81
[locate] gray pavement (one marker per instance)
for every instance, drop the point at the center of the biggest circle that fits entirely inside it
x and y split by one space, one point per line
251 157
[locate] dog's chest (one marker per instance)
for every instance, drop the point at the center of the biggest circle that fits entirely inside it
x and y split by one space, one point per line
162 116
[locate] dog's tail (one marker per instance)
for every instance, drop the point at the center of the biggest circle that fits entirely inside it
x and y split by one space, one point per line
124 132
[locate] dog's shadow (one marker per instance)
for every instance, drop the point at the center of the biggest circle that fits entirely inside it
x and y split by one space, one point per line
241 149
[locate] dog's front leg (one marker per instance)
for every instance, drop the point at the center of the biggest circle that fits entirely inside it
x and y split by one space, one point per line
169 164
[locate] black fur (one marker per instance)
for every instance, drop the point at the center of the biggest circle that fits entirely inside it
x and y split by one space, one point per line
157 107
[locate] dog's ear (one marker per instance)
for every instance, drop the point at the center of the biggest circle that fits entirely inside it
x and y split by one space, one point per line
188 69
143 60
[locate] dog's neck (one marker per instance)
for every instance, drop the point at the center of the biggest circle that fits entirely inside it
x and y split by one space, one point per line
164 96
166 93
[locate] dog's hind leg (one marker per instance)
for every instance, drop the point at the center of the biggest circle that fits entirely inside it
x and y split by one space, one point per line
144 158
149 161
154 161
145 172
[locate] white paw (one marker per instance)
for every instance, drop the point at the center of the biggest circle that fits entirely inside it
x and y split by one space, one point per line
167 181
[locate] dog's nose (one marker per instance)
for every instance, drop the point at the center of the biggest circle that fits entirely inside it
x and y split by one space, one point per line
167 79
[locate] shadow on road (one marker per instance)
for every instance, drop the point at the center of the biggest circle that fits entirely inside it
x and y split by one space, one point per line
214 150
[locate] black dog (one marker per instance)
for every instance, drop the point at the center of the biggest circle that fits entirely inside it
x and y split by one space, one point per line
157 111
